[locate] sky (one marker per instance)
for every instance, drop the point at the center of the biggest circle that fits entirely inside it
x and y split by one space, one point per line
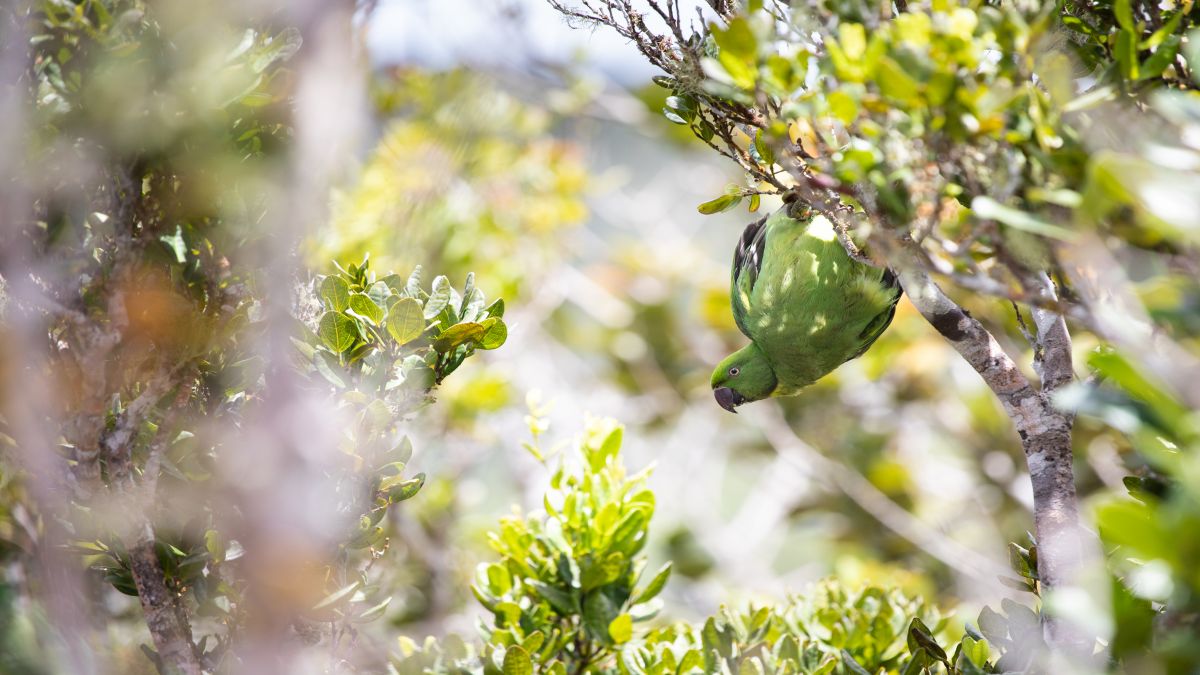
501 34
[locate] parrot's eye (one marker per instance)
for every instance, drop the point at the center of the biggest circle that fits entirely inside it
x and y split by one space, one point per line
733 372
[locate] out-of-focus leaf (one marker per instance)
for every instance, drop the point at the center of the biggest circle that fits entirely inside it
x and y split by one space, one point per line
517 662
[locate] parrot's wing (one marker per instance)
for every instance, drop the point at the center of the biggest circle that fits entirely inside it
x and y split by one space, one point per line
747 262
873 330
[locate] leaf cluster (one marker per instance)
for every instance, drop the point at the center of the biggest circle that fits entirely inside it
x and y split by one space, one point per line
391 332
569 594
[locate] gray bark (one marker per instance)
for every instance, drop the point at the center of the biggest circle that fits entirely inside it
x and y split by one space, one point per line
171 634
1044 430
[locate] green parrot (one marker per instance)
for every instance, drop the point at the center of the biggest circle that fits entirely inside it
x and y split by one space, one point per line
806 306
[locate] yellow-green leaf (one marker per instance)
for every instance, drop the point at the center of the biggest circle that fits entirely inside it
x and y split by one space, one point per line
457 335
405 320
337 331
621 629
517 662
336 292
722 203
494 333
365 307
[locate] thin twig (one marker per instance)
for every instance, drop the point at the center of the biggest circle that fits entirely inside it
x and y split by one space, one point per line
869 498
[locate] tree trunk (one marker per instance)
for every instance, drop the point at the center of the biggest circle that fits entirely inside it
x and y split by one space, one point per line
171 634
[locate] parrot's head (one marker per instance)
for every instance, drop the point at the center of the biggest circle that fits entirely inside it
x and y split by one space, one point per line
743 376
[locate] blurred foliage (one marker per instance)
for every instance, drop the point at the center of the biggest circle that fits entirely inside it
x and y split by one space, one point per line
459 155
159 132
1157 604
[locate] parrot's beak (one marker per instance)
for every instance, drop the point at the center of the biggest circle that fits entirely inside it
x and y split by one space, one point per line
728 398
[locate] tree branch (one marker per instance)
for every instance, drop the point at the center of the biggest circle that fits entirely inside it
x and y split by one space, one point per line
1045 431
172 636
165 616
861 491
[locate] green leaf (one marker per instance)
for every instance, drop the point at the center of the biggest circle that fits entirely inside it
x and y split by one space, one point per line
472 305
919 663
737 39
439 298
751 666
394 282
919 635
337 331
1162 57
365 307
1123 11
533 641
993 626
279 47
766 156
655 586
563 602
842 105
1018 559
990 209
620 629
458 335
1126 53
380 291
413 286
975 651
722 203
337 596
895 83
682 104
372 613
852 665
402 452
496 309
517 662
407 489
494 333
691 661
327 366
1023 623
214 545
674 117
598 612
335 292
405 320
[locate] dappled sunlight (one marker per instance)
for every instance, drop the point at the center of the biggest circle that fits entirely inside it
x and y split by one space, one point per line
331 327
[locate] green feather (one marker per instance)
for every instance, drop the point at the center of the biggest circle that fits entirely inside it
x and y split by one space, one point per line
804 303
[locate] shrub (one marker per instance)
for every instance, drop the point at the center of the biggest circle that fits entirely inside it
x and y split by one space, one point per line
571 593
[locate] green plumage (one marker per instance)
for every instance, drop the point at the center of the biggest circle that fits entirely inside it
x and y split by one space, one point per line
806 306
